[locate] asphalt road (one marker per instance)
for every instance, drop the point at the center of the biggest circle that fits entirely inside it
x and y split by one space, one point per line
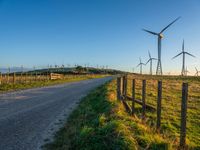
30 116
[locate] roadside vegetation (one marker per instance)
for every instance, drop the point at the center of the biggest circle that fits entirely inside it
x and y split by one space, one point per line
171 106
100 122
4 87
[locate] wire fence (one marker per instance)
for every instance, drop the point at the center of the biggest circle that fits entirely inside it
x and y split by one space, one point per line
179 102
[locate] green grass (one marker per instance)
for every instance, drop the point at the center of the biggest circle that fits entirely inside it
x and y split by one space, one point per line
171 107
32 84
101 123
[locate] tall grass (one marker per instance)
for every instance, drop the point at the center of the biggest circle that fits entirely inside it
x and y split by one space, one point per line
171 106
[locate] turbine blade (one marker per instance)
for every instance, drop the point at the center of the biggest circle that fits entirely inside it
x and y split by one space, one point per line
148 61
177 55
154 58
149 55
150 32
143 64
189 54
138 65
183 46
170 24
196 69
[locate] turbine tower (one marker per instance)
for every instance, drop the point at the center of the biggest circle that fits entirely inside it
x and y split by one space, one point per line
150 60
140 64
133 69
184 71
197 72
160 36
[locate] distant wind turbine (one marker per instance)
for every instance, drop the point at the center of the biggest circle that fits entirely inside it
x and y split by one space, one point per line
150 60
183 72
160 36
186 71
133 69
197 72
140 64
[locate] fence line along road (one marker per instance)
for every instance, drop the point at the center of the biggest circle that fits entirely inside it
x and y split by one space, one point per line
13 78
122 95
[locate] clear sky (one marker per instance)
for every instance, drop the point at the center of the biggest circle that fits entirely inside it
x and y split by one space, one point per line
104 32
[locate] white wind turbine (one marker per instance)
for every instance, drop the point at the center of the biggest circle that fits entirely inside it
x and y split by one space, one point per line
150 60
183 71
140 64
197 72
160 36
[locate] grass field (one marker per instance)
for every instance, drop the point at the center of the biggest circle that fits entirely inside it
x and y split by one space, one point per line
31 83
171 106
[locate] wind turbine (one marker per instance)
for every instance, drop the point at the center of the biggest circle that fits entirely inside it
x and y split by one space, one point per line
150 60
186 71
183 72
140 64
160 36
133 69
197 72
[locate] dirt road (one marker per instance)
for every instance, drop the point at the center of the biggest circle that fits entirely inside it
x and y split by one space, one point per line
30 116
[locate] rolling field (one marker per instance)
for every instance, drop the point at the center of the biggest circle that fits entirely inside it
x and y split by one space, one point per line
171 106
25 82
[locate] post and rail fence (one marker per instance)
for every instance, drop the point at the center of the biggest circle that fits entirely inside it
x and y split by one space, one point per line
55 76
122 95
13 78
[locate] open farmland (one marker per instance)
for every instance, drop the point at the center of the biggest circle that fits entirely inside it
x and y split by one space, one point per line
10 82
171 105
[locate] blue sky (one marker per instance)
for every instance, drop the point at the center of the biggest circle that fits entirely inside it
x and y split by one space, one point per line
104 32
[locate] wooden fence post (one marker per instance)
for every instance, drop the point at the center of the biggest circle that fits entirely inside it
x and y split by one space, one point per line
183 115
47 76
143 98
121 82
0 78
159 98
133 96
21 77
26 76
35 76
123 86
118 88
13 78
8 74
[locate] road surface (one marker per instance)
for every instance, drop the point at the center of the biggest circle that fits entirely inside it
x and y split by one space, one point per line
28 117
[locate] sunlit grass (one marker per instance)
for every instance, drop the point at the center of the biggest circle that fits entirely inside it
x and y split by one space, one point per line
40 83
171 106
101 122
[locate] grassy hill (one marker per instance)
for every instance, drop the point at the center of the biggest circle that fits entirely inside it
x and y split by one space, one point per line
72 70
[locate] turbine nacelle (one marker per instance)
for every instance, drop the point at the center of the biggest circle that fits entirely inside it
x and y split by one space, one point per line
161 36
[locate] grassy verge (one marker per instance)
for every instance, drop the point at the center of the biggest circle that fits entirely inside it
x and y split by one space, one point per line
100 122
33 84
